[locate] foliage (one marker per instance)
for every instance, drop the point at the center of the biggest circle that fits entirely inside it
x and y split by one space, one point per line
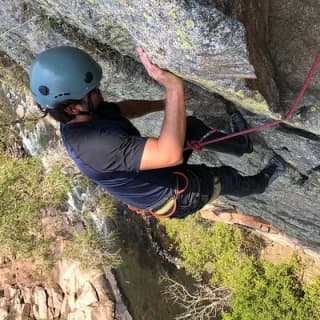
5 117
260 290
9 70
204 246
92 249
311 301
205 302
24 190
265 291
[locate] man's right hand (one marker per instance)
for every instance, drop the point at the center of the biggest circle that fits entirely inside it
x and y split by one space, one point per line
163 77
167 150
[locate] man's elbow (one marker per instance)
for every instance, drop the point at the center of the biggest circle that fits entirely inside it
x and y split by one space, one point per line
175 160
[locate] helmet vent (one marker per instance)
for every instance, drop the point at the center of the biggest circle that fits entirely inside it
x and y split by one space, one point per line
88 77
44 90
62 94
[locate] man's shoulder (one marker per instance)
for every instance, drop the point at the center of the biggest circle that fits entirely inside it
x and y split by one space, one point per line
87 133
78 130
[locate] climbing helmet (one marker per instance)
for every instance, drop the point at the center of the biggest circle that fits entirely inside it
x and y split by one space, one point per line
63 73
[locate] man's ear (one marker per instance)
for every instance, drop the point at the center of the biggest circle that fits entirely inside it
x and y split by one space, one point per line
72 109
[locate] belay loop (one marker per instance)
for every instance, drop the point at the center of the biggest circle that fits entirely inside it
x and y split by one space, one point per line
198 145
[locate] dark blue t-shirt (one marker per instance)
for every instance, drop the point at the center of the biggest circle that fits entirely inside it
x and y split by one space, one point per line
109 152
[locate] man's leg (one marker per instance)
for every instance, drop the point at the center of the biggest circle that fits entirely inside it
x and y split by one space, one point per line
233 183
204 185
196 129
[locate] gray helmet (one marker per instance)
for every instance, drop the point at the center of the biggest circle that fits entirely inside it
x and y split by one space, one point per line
63 73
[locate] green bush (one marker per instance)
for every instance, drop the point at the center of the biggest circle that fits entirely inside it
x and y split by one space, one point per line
92 249
310 305
206 247
260 290
24 190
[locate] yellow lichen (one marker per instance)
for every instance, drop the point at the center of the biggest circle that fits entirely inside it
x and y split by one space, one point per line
180 33
173 13
186 44
258 96
313 108
190 23
146 16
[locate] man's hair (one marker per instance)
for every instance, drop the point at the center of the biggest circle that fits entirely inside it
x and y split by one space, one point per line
58 112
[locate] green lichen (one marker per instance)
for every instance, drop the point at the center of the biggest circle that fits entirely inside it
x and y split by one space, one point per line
105 27
146 16
180 33
188 57
190 23
254 102
132 10
240 93
291 163
258 97
242 97
183 39
186 45
173 13
161 56
92 1
313 108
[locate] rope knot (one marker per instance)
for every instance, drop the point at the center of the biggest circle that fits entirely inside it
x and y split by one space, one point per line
195 145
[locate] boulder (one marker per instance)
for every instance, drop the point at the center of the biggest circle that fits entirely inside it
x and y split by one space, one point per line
87 296
40 305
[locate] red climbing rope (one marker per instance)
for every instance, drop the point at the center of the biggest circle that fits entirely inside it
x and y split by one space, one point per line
198 145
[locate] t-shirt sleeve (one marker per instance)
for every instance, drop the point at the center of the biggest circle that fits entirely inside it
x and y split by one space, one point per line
109 110
106 152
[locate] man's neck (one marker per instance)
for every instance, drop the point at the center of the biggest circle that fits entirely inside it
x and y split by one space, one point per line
83 118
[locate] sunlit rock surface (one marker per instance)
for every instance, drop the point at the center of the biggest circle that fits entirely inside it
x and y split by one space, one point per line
214 45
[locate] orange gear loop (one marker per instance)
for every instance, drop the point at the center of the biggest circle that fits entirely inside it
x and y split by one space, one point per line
174 208
186 179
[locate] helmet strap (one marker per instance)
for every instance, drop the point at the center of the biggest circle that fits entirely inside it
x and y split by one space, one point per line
91 108
86 113
90 105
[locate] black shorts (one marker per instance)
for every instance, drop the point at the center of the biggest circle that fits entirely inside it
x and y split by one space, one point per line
199 192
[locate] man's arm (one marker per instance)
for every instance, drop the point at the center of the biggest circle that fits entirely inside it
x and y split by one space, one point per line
131 109
166 150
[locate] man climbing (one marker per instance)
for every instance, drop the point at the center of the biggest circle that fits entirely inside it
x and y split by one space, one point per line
148 174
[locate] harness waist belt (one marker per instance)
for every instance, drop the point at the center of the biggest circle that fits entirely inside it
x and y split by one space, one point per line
166 207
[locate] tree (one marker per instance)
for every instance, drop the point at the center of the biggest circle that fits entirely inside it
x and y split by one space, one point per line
204 303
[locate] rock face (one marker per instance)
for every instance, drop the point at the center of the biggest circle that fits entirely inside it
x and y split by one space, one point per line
77 295
66 292
214 45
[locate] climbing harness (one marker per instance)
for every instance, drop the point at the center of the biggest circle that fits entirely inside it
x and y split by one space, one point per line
198 145
169 208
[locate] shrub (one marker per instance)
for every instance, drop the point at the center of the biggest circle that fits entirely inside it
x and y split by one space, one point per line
92 249
24 190
260 290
